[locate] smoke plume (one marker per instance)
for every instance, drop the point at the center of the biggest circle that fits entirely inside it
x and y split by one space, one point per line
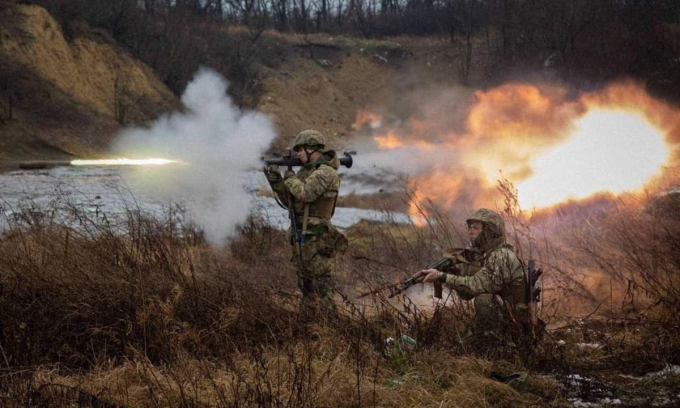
217 143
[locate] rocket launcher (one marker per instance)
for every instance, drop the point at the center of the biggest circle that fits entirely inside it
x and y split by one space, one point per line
290 161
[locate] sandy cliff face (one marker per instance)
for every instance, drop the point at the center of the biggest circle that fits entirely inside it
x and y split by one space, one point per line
71 94
88 77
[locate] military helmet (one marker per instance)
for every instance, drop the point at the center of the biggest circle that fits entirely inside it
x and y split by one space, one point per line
309 138
490 218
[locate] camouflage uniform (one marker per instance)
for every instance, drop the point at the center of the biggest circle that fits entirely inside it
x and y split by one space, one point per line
498 287
314 190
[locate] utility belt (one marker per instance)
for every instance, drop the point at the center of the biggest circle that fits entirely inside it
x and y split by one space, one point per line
300 217
314 229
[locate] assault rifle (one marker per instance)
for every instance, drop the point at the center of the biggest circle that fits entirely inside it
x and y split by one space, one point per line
290 161
397 288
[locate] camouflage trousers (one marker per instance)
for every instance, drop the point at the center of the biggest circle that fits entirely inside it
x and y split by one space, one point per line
498 324
314 277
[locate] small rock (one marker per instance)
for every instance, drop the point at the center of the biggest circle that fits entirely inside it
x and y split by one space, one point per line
589 346
324 63
380 58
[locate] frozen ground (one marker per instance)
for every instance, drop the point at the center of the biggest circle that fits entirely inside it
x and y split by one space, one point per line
104 193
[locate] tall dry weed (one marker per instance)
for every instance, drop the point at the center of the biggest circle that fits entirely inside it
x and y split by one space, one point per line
634 247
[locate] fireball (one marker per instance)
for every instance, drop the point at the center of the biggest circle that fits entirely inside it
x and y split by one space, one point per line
609 151
551 146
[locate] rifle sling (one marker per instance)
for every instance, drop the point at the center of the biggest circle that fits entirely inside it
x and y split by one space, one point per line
305 218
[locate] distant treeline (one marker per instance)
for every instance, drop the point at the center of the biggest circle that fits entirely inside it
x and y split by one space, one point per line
599 39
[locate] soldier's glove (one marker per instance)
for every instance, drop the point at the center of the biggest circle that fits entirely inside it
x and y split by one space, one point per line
273 176
288 173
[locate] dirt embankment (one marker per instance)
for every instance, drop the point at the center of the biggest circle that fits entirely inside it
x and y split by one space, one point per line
325 81
321 85
62 97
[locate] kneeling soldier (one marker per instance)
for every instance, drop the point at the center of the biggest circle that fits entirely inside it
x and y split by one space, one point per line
498 288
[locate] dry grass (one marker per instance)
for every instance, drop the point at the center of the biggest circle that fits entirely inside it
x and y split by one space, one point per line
146 314
633 246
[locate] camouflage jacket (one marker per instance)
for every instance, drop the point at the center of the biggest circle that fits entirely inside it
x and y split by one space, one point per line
501 274
316 184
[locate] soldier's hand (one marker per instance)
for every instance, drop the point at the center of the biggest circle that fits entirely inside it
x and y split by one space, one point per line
288 173
431 275
273 175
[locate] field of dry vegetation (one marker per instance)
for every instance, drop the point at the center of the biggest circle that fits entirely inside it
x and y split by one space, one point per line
146 314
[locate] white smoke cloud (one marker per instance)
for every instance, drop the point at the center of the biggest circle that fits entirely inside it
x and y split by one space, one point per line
218 142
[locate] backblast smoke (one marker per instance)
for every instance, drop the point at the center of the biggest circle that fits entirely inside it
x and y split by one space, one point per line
217 143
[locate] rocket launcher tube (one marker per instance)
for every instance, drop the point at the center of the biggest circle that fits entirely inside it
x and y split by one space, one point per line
295 162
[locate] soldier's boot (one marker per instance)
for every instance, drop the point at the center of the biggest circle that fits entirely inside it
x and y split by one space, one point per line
317 299
309 302
324 292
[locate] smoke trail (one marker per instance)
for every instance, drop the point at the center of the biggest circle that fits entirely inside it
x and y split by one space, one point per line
218 141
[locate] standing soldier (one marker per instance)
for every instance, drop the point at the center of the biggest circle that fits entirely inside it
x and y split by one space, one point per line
312 193
498 287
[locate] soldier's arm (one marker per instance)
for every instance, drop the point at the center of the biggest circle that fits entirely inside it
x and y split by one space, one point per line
492 278
320 181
